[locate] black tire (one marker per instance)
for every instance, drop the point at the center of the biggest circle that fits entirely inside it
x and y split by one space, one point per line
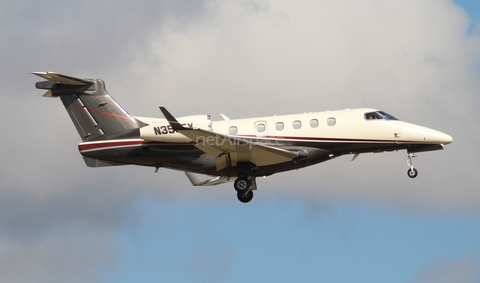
245 197
412 173
242 184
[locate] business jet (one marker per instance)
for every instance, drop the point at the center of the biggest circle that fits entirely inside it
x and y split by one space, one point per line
230 150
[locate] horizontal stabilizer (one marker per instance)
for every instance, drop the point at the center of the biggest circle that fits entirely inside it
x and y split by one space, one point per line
62 79
61 84
210 182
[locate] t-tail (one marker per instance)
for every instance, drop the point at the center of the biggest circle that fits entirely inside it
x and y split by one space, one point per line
93 112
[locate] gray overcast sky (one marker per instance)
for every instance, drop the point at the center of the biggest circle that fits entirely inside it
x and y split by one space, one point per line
415 60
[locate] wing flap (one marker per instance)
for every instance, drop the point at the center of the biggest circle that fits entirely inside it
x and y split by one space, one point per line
210 182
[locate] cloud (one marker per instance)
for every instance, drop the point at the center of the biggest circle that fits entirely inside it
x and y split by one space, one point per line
318 51
209 265
463 270
71 254
241 58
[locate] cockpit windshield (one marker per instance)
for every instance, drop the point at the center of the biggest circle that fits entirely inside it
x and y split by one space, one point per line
379 115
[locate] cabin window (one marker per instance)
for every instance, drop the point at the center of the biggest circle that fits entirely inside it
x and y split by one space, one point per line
232 130
331 121
279 126
314 123
260 127
297 124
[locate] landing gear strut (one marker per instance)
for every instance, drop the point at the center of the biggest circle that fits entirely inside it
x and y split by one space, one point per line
244 187
412 172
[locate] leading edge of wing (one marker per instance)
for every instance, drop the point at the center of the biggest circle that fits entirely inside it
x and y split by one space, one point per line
216 145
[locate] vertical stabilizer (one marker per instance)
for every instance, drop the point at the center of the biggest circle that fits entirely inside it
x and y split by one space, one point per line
95 114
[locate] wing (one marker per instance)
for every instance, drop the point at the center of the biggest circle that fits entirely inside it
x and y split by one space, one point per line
229 150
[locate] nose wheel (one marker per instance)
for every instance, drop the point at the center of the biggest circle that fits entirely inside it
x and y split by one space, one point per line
412 172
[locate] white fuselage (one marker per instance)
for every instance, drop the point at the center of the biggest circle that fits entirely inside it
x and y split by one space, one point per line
295 141
350 125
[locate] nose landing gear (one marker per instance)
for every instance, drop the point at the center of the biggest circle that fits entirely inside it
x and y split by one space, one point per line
412 172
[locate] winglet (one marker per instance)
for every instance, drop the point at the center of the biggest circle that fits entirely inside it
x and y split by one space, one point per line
173 122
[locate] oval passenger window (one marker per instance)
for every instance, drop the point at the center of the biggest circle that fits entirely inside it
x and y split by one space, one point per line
331 121
297 124
279 126
232 130
260 128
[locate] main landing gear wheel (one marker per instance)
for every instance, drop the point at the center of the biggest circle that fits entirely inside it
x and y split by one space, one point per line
245 196
242 184
412 172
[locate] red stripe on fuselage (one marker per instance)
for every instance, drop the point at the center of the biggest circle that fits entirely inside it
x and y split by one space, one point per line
300 139
99 145
120 143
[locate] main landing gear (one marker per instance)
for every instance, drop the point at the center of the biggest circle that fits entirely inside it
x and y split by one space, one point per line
412 172
244 186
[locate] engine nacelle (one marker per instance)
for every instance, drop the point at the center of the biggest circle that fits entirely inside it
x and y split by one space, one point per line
163 132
